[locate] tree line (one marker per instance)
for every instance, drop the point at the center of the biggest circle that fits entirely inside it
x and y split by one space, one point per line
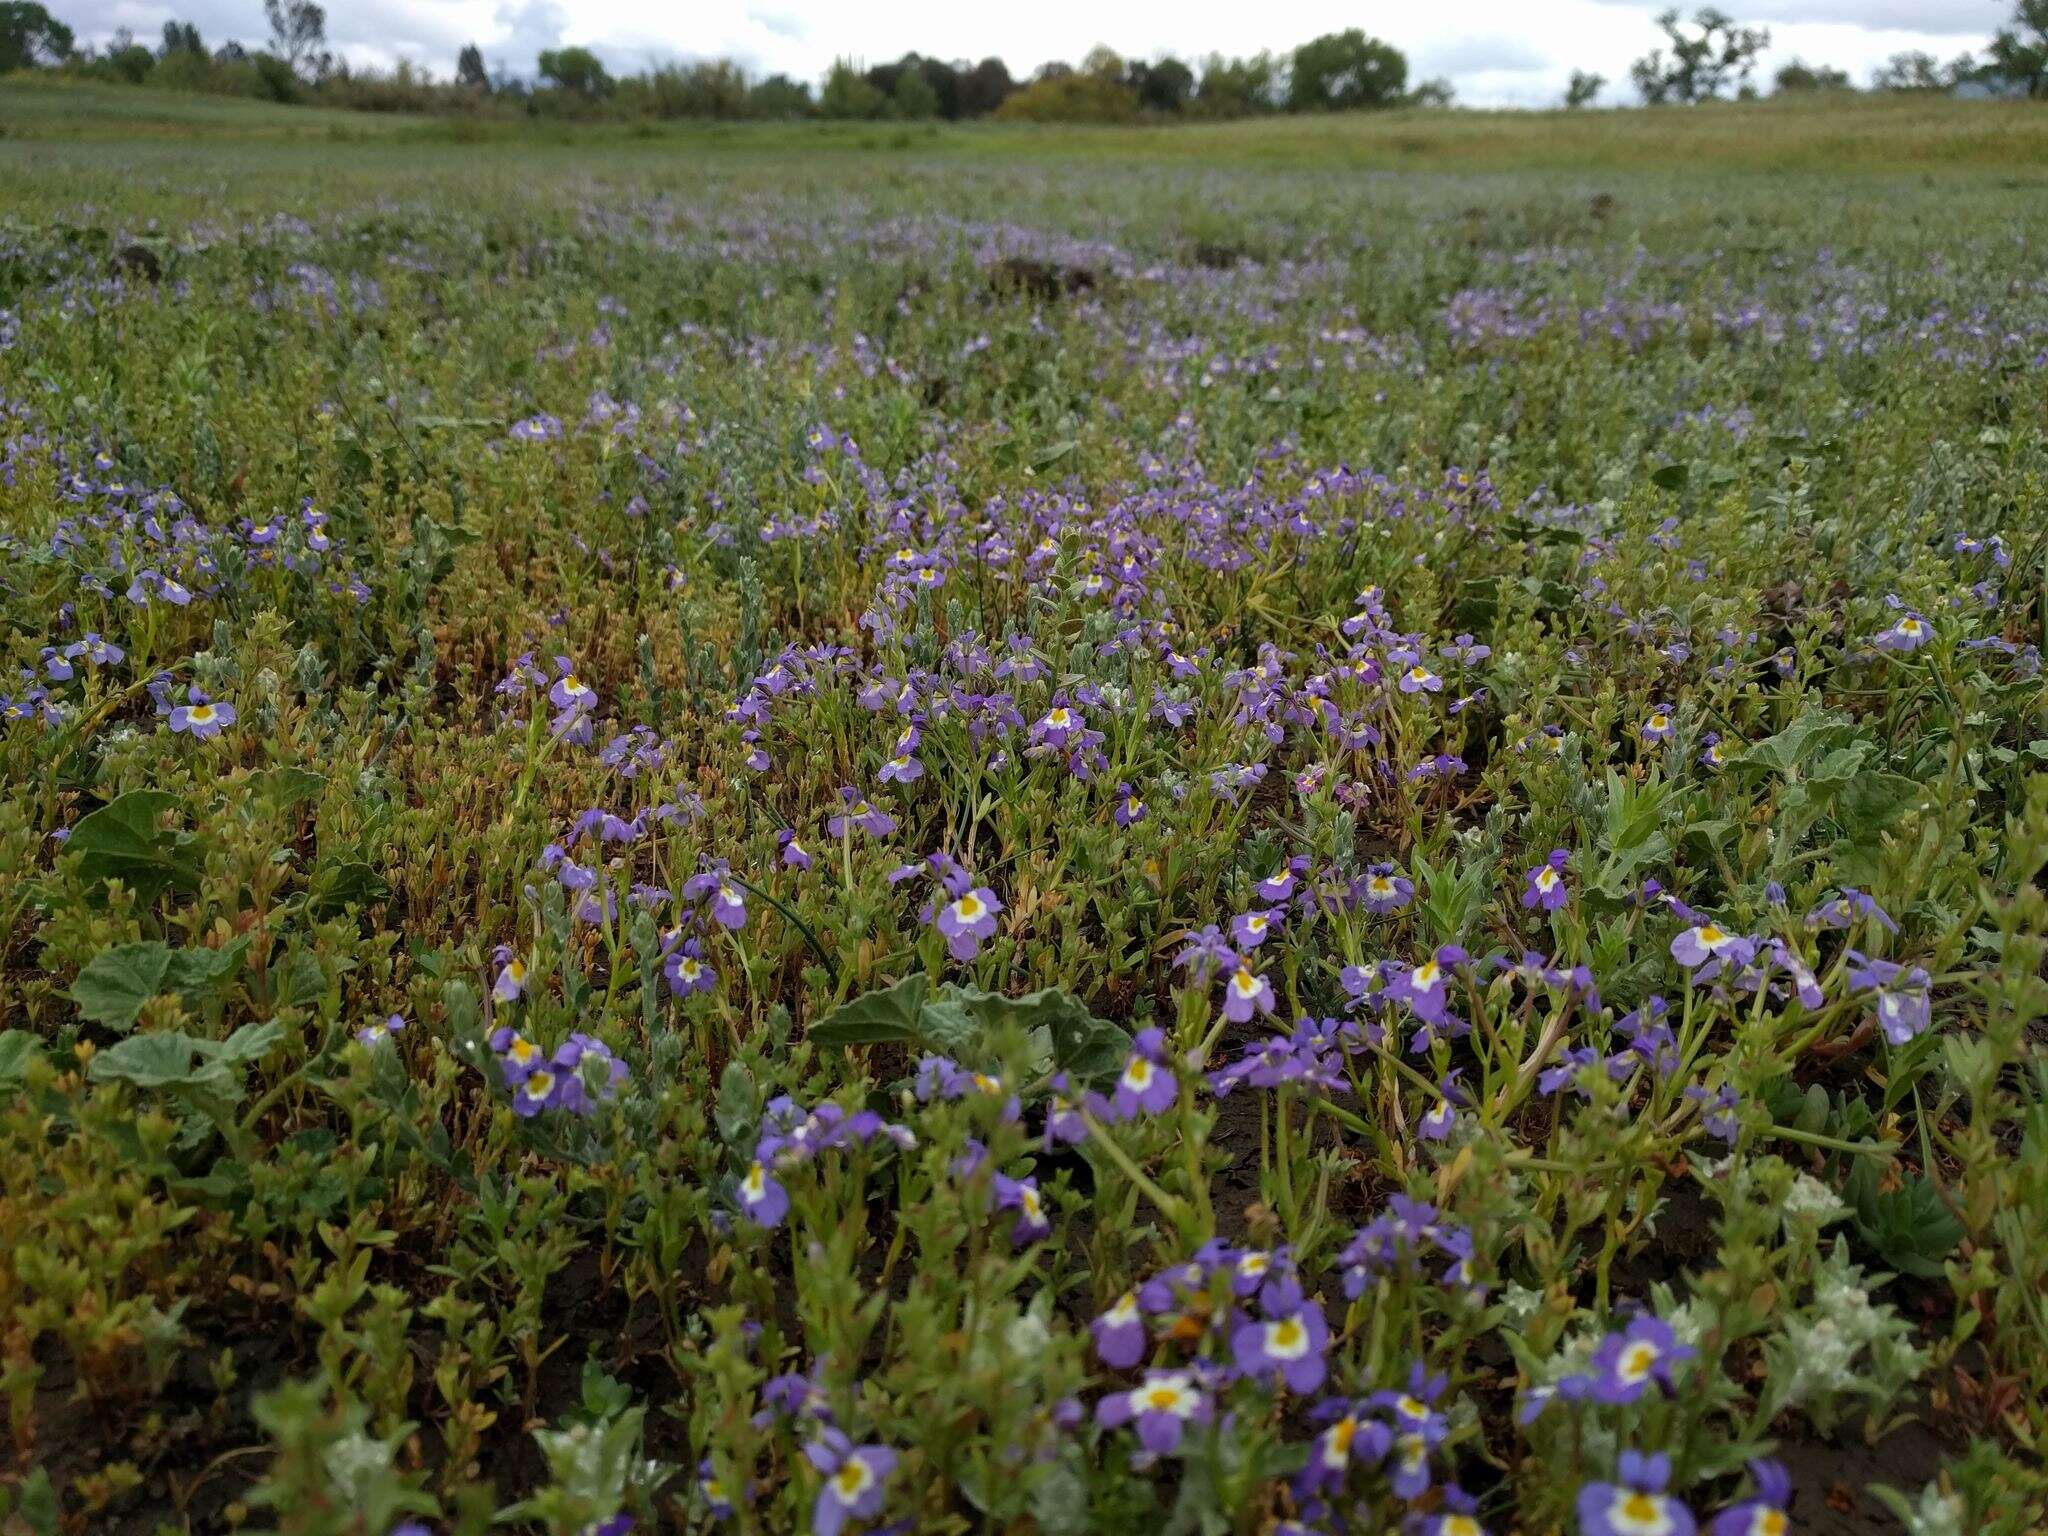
1704 57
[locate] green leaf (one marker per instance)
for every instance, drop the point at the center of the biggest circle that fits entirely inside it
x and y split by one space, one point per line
1787 753
889 1015
164 1059
288 786
124 840
1909 1226
17 1049
337 887
193 969
1078 1042
114 985
252 1042
1871 802
1671 477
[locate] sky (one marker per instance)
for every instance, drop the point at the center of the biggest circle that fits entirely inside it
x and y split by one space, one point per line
1508 53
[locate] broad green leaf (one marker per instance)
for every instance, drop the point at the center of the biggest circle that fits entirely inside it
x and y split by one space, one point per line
1788 752
287 786
1871 802
124 840
252 1042
888 1015
192 969
17 1049
114 985
164 1059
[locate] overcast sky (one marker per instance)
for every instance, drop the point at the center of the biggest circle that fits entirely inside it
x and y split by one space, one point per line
1496 52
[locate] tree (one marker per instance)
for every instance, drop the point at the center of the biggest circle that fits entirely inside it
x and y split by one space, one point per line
985 87
1584 87
298 35
1237 87
128 60
849 93
181 37
1092 94
575 72
1715 54
779 96
2020 51
1918 71
469 69
1436 92
913 96
1163 85
1798 77
31 37
1347 69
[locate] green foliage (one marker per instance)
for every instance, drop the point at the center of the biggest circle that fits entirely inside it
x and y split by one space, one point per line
1344 70
414 1108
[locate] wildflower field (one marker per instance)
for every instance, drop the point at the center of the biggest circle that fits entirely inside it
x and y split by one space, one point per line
769 840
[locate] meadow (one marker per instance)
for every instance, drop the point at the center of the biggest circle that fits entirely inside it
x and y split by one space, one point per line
1286 828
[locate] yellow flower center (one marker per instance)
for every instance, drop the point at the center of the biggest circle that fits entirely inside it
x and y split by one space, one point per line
852 1480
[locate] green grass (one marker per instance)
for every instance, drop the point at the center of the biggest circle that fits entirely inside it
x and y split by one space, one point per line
1854 133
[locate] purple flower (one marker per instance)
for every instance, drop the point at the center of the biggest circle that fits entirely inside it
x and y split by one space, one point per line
856 1479
1206 954
728 905
377 1031
1657 727
1021 1196
570 693
1250 929
1056 726
1384 890
1546 890
968 921
1289 1342
762 1198
1904 1006
793 854
857 812
1419 679
1909 633
1147 1085
1768 1513
1120 1333
1627 1364
685 970
1846 908
511 981
901 770
541 1088
1707 944
1130 810
201 717
1436 1124
1635 1505
1352 1438
1245 994
1161 1407
1418 1429
1423 987
1279 885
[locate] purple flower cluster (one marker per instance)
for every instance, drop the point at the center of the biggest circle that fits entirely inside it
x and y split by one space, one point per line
581 1074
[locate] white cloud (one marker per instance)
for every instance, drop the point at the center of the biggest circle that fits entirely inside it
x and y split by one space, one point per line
1496 52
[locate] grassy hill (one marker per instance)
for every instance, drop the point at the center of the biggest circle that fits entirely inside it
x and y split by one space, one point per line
1852 133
